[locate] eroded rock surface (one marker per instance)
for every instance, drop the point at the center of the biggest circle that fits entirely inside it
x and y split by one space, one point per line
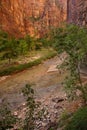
35 17
77 12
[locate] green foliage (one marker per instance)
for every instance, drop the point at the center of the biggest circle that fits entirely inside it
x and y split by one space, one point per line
33 111
78 121
8 46
64 115
18 68
7 120
10 49
3 39
22 47
64 119
45 42
72 39
31 42
29 123
21 67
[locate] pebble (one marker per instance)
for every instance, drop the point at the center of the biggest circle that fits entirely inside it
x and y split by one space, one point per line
57 100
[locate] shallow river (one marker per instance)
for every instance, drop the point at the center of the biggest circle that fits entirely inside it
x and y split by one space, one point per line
45 84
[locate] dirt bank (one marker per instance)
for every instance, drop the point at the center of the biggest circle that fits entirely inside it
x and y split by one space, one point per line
45 84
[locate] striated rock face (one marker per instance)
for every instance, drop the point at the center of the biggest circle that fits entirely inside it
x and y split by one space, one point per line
77 12
35 17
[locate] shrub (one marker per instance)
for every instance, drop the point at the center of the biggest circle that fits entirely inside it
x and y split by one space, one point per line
18 68
21 67
9 49
31 42
34 112
78 121
7 120
22 47
29 122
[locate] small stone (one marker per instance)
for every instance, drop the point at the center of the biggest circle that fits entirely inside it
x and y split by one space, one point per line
57 100
57 106
44 124
23 104
15 113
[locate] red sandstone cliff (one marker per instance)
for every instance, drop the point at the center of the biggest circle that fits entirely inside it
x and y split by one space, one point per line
20 17
77 12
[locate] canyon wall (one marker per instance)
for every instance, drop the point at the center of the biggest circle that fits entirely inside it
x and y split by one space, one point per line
77 12
34 17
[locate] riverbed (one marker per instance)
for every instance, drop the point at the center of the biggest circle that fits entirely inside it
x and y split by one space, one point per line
46 84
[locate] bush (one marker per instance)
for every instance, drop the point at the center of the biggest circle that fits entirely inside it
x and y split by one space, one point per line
34 111
45 42
7 119
31 42
22 47
21 67
18 68
78 121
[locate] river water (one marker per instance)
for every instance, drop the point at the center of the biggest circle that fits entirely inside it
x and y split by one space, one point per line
45 84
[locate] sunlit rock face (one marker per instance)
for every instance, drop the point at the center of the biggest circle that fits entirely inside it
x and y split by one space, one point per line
77 12
34 17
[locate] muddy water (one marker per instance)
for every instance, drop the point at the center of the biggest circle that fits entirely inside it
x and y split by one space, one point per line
45 84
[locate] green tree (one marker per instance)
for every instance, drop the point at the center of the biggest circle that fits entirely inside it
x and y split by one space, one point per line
22 47
3 40
31 42
10 49
28 40
45 42
72 40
